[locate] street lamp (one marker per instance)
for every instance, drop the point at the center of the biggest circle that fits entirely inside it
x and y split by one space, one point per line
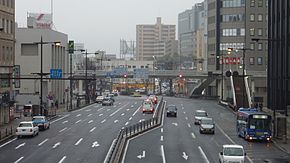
41 74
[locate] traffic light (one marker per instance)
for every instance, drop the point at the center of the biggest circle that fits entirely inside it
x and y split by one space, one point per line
71 47
180 75
125 75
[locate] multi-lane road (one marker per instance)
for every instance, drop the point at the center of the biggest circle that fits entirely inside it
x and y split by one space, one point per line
86 136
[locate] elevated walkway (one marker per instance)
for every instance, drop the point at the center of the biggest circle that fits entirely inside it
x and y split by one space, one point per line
197 91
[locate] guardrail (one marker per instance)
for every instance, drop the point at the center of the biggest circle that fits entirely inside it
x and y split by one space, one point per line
126 133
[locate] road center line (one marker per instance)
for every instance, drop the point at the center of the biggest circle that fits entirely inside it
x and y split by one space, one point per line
161 130
78 115
92 129
64 157
62 129
203 154
163 154
43 142
78 142
19 159
161 138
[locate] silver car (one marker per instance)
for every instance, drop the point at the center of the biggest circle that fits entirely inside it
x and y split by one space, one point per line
198 115
206 126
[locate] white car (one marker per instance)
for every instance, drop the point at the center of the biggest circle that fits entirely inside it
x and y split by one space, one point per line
27 128
198 115
232 153
99 99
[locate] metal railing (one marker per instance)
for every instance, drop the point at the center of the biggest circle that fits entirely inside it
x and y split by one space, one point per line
126 133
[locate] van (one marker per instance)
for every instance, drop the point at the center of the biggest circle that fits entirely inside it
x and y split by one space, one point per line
27 110
232 153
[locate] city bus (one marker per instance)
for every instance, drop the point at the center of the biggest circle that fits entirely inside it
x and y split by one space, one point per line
253 124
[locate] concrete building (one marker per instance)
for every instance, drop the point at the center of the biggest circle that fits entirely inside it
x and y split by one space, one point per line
7 54
233 24
28 54
151 39
78 57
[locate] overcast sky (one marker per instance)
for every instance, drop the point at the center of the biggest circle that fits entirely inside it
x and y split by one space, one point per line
100 24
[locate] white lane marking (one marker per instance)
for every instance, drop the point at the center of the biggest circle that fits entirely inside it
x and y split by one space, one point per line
100 109
193 136
126 123
189 125
163 155
203 154
186 118
128 109
78 142
116 121
161 138
55 145
20 145
136 111
62 129
7 142
78 115
141 156
119 103
88 110
107 156
251 161
122 114
108 109
19 159
175 124
103 121
60 119
90 115
92 129
115 106
184 112
78 121
141 120
64 122
135 103
90 121
161 130
115 112
81 109
130 118
95 144
40 144
132 106
182 108
101 115
185 156
64 157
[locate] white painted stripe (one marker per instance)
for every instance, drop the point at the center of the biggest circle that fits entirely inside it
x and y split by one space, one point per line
92 129
116 121
122 114
78 115
62 129
100 109
90 115
161 130
107 156
186 118
126 123
19 159
161 138
103 121
130 118
115 112
203 154
136 111
78 121
20 145
88 110
60 119
7 142
101 115
163 154
64 157
108 109
193 136
40 144
90 121
189 125
64 122
78 142
184 112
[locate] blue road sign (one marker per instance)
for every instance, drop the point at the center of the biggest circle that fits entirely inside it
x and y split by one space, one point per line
55 73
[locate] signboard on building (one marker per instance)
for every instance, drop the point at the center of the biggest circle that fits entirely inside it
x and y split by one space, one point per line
230 60
17 76
39 20
55 73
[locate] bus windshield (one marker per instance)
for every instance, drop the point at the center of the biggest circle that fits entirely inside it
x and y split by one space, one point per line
259 124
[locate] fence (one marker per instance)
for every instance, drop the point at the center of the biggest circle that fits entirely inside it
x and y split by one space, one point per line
6 132
126 133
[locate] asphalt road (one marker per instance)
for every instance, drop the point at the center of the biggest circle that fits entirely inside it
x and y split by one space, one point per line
84 135
179 140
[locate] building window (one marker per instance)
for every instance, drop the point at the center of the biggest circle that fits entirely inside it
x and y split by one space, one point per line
146 66
5 83
260 46
252 17
252 31
260 61
142 66
260 32
134 66
260 3
260 17
252 3
252 46
129 66
252 61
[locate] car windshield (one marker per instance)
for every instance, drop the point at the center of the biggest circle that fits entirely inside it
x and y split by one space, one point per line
260 124
25 125
147 106
232 151
37 119
171 108
207 121
201 114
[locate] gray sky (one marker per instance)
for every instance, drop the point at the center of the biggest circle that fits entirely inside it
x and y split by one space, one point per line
100 24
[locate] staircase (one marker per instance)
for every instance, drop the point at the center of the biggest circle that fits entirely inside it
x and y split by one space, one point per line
241 95
197 91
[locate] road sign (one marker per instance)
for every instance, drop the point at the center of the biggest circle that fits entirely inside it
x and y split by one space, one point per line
117 72
71 47
55 73
141 73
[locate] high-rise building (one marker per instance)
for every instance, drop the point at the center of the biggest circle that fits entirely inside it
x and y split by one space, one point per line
151 39
7 37
233 24
279 56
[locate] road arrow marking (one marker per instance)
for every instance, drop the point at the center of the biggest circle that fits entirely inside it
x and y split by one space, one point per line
63 129
175 124
103 121
78 115
92 129
40 144
116 121
20 145
90 115
64 122
141 156
55 145
185 156
95 144
78 142
90 121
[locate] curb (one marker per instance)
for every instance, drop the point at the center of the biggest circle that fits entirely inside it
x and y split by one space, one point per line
280 147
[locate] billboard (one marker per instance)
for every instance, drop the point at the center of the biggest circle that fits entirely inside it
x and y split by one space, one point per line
39 20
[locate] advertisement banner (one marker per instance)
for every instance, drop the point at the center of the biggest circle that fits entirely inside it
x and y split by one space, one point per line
39 20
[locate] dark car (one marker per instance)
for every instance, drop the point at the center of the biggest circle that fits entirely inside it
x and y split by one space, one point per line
206 126
107 101
171 111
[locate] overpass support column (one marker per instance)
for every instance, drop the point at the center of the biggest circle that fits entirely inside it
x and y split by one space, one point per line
170 87
160 86
80 87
